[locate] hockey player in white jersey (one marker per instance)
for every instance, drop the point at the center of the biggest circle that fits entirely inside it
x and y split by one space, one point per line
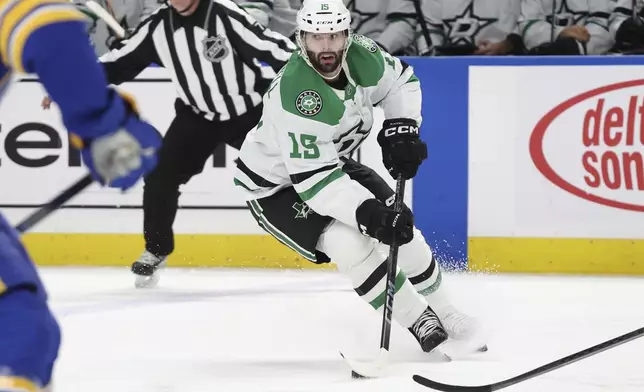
468 27
391 23
627 26
566 27
302 186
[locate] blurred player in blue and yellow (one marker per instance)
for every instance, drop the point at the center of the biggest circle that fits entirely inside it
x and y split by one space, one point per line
48 38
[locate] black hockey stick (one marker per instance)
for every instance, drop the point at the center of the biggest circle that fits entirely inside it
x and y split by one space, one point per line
638 333
373 369
423 23
55 203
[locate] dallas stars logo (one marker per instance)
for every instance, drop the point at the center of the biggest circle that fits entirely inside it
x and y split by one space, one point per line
303 210
565 16
309 103
462 29
368 43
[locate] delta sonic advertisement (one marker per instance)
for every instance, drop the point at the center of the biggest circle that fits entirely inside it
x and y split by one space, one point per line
552 171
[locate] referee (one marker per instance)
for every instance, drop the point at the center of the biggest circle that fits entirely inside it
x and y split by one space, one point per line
212 48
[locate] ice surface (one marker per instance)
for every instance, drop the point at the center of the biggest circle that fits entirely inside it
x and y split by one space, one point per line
266 330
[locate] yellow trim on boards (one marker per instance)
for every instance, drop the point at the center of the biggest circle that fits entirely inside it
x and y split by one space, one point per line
199 250
556 255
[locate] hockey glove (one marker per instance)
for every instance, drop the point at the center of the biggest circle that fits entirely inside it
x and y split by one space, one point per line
402 149
384 224
120 158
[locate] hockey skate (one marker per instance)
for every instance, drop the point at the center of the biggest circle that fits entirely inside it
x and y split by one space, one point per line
146 269
428 331
462 328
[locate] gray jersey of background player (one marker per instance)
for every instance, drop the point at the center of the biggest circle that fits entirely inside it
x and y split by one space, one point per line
276 15
566 27
391 23
626 26
129 13
466 27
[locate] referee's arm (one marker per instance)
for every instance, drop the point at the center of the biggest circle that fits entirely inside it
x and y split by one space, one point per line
252 41
124 64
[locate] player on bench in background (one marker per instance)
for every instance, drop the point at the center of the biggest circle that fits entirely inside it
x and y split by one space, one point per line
302 186
48 38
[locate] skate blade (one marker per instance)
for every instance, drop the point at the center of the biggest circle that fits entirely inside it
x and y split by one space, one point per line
368 369
463 349
146 282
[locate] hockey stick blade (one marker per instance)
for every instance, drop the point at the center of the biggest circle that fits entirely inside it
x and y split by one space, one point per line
54 204
368 369
106 17
578 356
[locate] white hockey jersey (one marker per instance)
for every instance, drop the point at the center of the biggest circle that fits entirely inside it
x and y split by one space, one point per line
468 22
622 10
541 21
307 127
392 23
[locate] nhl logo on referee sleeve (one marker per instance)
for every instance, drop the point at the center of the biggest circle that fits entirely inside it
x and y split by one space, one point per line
309 103
215 49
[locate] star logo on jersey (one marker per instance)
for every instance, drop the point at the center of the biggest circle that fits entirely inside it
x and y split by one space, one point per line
215 49
309 103
462 29
565 16
303 210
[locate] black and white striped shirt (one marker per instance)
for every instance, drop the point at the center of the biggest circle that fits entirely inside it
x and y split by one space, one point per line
213 56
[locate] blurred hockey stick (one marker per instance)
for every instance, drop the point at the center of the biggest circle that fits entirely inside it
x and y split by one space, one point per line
54 204
423 23
553 15
638 333
106 17
362 369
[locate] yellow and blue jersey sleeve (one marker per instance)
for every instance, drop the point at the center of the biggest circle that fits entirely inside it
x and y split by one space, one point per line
18 384
19 19
49 38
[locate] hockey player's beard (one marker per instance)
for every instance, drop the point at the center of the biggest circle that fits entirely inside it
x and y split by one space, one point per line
325 62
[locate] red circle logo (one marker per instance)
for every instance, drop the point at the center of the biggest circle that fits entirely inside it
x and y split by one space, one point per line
606 127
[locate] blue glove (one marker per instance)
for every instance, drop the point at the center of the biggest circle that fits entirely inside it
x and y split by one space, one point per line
120 158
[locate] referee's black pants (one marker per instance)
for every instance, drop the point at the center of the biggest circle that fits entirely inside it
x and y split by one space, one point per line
188 143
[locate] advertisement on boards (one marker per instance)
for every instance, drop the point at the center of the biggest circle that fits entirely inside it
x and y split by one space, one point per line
37 160
557 152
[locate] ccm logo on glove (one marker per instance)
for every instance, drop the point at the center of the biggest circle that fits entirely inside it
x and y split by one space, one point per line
401 129
385 224
402 149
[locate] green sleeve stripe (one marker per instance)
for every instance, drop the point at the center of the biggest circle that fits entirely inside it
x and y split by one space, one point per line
241 184
525 29
412 79
380 300
87 12
244 6
315 189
